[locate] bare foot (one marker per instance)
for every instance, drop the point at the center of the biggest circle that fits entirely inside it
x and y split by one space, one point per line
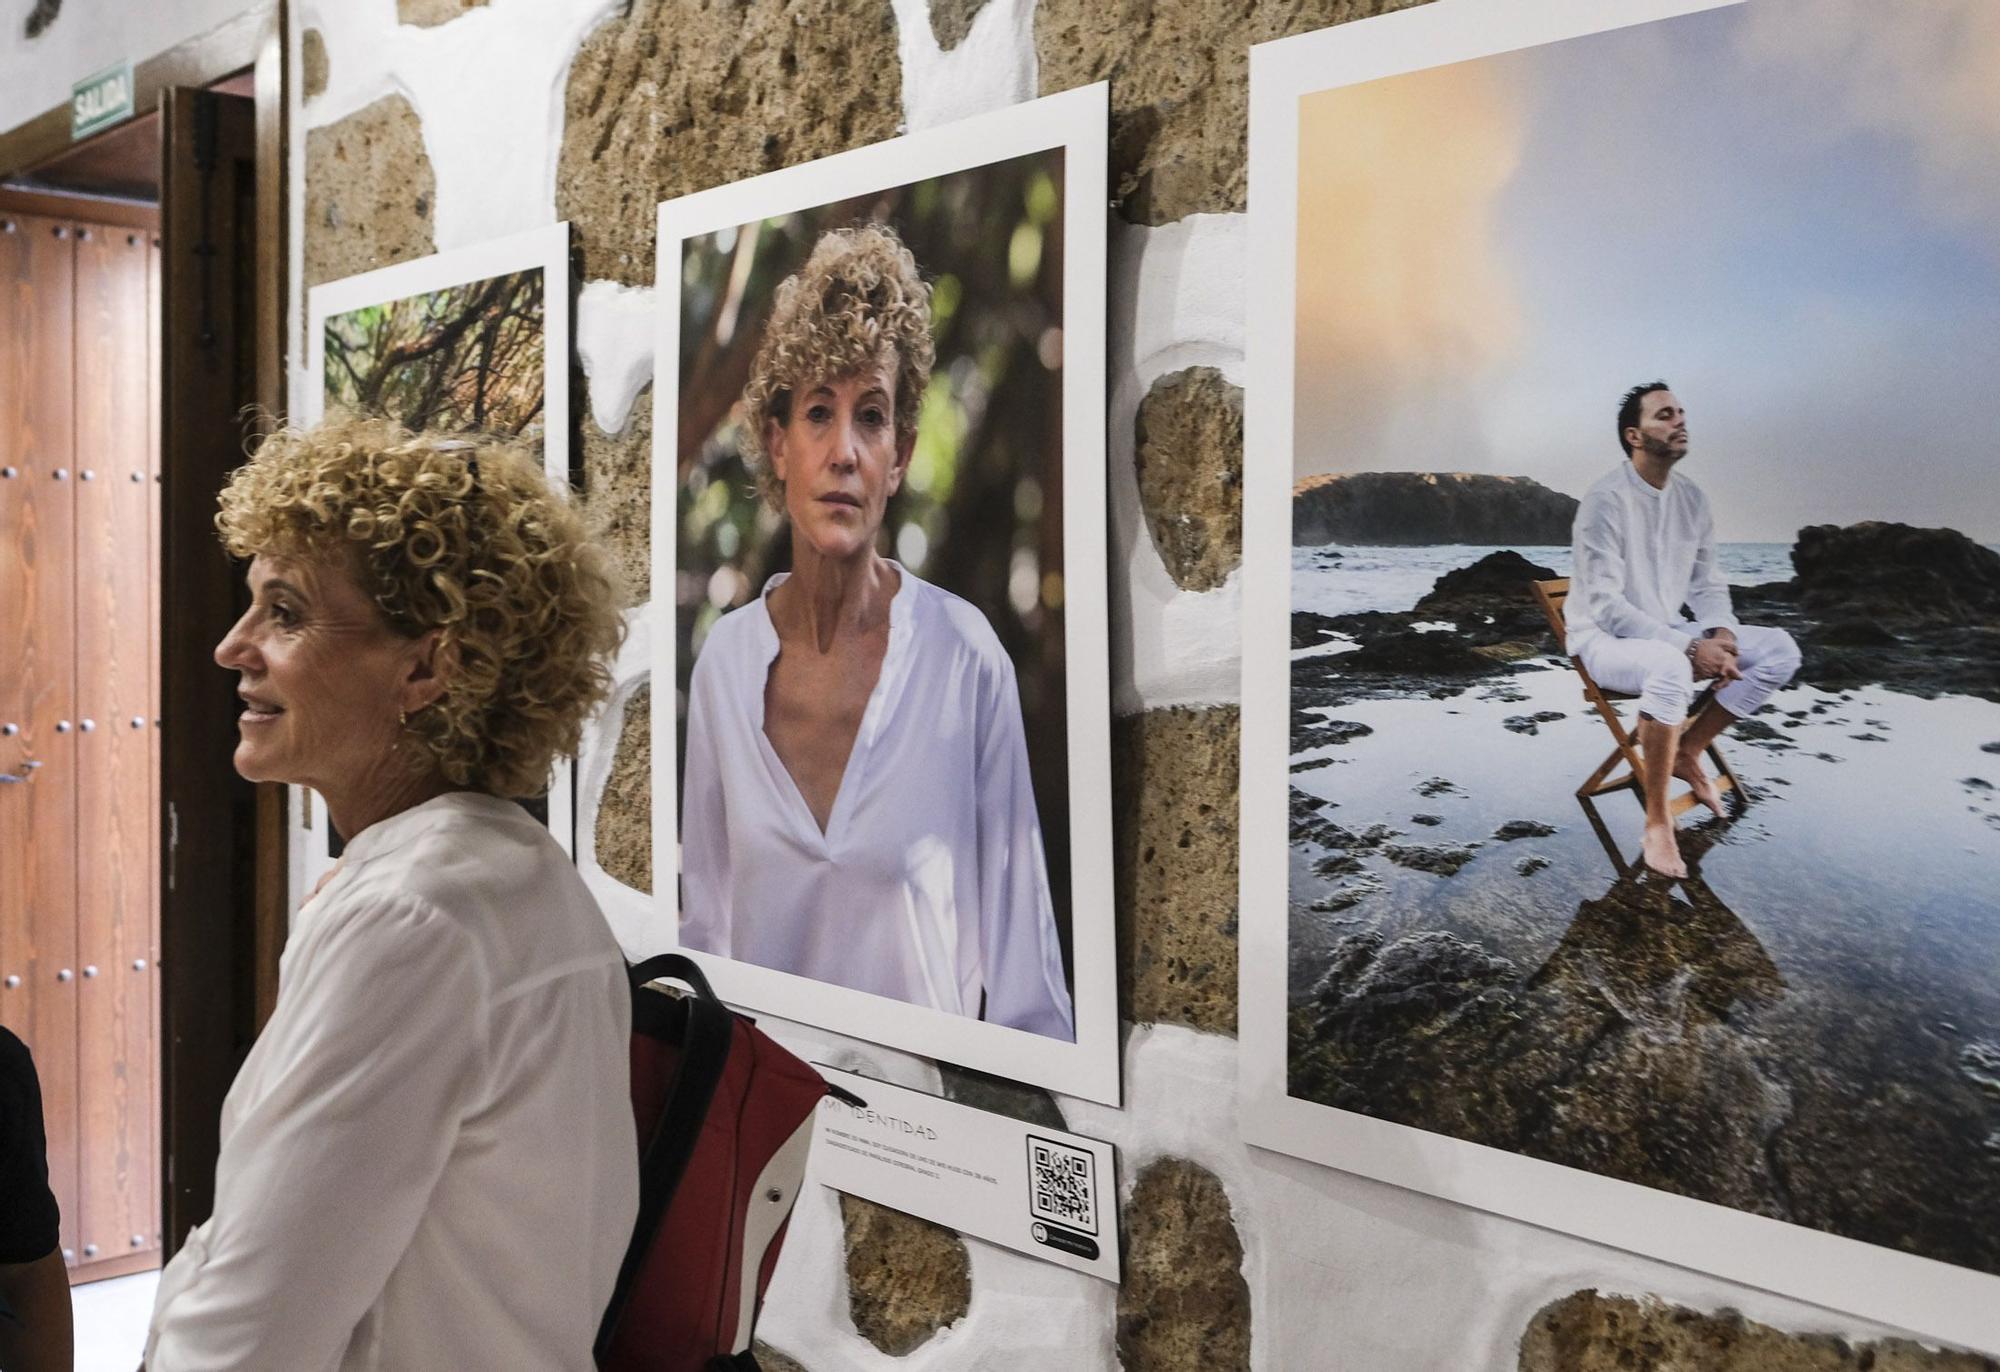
1661 852
1687 766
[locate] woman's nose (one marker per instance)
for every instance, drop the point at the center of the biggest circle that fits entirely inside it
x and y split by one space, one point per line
846 447
231 651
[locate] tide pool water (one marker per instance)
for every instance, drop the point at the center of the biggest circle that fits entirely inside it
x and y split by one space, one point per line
1811 1030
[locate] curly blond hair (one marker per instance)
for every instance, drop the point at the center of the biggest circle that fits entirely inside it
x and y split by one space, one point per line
489 554
858 301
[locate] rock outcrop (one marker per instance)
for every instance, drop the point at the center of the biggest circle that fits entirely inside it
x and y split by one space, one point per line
1496 591
1495 622
1916 610
1895 573
1416 509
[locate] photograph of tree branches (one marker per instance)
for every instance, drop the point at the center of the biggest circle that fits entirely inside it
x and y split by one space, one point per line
979 511
465 357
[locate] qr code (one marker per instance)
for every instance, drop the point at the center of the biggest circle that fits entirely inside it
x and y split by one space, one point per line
1062 1184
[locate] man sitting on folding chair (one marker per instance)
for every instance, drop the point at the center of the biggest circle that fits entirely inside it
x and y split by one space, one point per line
1643 555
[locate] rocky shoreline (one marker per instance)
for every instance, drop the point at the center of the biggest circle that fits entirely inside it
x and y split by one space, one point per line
1914 610
1827 1052
1656 1044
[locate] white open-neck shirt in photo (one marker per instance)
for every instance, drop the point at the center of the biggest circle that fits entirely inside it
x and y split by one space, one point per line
929 884
1640 552
428 1159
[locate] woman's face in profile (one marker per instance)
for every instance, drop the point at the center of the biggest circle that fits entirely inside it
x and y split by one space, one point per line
840 459
320 676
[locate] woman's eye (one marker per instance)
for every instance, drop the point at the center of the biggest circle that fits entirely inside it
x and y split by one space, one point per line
819 414
873 417
283 614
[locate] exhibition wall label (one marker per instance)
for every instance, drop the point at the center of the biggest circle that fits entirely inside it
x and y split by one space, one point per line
1040 1191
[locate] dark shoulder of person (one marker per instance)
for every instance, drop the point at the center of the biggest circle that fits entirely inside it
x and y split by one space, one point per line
29 1223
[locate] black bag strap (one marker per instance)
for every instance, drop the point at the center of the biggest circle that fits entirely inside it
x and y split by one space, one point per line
671 967
711 1029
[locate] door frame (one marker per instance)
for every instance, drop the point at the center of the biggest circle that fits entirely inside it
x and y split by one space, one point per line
253 41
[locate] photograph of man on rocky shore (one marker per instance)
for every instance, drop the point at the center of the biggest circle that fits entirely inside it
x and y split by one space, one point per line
1761 1038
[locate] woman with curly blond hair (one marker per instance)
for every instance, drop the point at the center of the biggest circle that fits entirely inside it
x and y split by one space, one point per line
428 1159
856 802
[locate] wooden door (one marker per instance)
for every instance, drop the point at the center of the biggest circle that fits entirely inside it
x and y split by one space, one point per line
210 340
155 804
37 731
115 586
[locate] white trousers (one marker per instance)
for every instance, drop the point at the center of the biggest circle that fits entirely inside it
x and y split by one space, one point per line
1663 678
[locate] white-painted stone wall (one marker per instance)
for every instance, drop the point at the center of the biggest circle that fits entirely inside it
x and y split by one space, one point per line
86 37
1344 1273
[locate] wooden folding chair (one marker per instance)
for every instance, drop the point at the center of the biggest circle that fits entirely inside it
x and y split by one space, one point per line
1551 595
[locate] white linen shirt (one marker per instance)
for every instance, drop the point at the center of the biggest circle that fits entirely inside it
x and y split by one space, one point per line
1640 553
428 1159
929 883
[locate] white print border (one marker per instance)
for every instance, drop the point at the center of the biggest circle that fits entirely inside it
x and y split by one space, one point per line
1921 1294
1078 122
547 248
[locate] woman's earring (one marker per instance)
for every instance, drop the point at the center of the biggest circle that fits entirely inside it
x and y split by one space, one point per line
403 718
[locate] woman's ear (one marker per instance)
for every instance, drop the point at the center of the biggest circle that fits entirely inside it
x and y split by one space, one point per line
431 663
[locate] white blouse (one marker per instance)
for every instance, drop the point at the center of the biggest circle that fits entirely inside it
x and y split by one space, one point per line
428 1159
1640 553
929 884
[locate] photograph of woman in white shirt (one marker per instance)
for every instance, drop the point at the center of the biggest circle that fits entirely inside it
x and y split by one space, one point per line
857 804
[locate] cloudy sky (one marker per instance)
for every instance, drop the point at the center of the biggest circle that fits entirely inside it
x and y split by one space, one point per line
1789 209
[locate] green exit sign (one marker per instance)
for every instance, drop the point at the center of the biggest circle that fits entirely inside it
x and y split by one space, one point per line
99 101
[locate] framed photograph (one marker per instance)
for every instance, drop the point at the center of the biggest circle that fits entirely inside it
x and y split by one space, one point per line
881 724
477 338
1613 452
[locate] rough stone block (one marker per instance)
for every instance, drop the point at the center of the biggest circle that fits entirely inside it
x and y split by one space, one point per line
673 98
1173 776
1190 460
951 20
312 63
1184 1303
369 192
625 815
618 495
1588 1331
1180 87
906 1278
430 13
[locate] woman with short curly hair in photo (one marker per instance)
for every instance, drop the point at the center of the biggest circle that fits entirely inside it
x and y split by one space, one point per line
856 802
428 1159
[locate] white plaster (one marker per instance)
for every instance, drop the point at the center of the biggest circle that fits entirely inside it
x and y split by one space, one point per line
357 36
629 912
614 339
487 87
1177 301
991 68
86 37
